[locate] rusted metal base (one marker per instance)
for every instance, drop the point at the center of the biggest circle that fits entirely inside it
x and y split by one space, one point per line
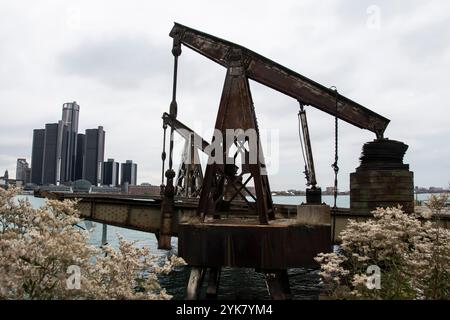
281 244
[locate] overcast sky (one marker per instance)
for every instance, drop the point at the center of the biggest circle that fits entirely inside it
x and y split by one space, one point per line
114 59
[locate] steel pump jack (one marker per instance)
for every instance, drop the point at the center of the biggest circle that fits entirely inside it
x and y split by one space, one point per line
236 111
225 176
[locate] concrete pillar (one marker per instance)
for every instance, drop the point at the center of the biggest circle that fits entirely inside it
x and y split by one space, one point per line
382 179
314 214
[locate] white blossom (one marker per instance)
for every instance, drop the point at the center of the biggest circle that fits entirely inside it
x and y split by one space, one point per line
38 245
414 257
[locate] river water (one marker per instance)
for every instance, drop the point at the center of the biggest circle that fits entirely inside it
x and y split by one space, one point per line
235 283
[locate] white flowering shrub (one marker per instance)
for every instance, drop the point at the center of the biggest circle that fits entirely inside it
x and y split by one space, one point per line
39 246
412 254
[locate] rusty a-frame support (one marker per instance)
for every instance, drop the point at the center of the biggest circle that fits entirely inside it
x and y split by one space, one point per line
236 114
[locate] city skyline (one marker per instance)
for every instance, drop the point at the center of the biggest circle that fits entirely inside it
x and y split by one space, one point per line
61 155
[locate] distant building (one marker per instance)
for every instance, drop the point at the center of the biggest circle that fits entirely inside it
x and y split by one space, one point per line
62 156
53 153
37 156
330 190
94 155
4 180
28 176
5 176
81 146
21 170
128 173
111 173
70 116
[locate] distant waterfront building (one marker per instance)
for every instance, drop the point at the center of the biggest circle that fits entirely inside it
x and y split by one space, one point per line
37 156
128 173
70 117
330 190
94 152
21 170
28 175
111 173
4 180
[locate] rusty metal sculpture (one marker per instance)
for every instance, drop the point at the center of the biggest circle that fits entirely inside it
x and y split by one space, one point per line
266 244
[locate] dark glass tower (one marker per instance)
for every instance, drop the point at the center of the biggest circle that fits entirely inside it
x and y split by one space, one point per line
81 145
111 173
54 158
70 117
129 173
37 156
94 155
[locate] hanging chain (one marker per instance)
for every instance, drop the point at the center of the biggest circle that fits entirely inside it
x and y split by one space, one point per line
169 189
163 155
335 164
336 155
176 51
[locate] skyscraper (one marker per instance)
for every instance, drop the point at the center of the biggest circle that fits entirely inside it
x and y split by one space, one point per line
21 170
111 173
81 145
53 156
70 116
128 173
37 156
94 155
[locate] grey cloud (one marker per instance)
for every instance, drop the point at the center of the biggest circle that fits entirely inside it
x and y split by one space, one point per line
356 11
428 41
119 62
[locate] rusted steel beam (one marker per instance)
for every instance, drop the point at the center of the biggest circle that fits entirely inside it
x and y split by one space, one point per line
282 79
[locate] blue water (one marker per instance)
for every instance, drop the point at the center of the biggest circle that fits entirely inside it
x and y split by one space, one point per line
234 283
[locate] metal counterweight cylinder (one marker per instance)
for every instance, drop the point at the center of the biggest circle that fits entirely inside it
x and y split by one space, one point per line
382 179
